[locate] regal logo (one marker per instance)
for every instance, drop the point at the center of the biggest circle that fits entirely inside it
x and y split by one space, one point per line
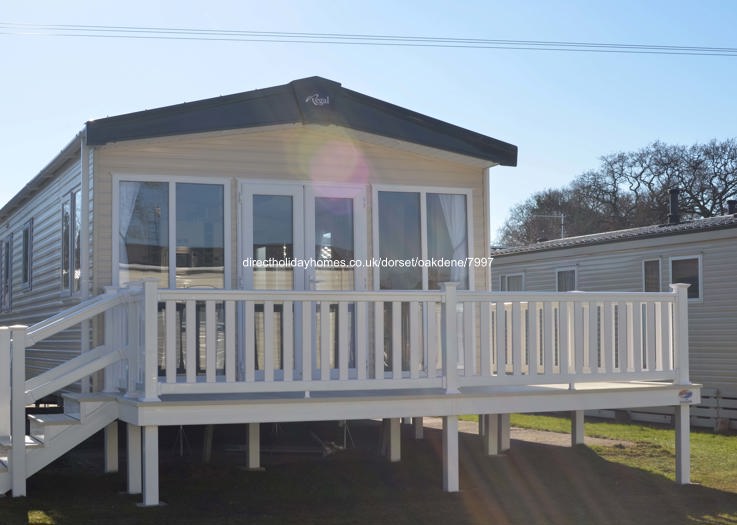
317 100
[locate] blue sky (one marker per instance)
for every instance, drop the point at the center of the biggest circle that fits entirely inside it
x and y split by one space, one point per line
564 110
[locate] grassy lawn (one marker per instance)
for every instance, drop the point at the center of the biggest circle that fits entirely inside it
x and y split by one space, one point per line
532 484
713 457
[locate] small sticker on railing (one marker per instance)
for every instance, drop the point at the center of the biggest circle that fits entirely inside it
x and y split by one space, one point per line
685 395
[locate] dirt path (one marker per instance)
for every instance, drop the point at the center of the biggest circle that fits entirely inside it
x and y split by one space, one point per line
534 436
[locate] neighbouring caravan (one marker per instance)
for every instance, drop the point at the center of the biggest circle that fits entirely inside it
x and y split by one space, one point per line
701 253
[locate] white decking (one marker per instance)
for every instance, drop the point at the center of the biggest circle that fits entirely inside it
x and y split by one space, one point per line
181 357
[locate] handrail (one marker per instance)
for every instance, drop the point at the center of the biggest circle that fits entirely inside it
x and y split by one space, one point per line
76 314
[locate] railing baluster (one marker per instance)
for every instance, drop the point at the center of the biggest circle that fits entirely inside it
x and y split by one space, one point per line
652 331
249 322
485 340
190 357
269 346
623 327
288 340
533 339
343 340
396 340
361 319
308 335
5 390
432 340
414 339
324 340
663 320
379 340
579 349
593 337
607 322
549 336
210 342
517 347
564 337
469 341
170 341
637 336
500 322
230 342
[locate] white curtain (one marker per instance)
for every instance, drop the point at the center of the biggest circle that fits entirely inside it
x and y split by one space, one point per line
454 215
128 193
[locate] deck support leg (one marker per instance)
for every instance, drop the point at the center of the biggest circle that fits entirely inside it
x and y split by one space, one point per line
450 454
150 466
133 434
111 447
207 443
482 425
504 433
577 428
683 443
491 434
419 427
395 441
253 460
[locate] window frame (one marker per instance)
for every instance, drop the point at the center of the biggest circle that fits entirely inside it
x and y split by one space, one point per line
6 273
700 277
573 269
504 281
69 285
172 181
660 274
422 191
26 262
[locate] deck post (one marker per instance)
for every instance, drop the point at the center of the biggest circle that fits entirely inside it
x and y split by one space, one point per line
491 434
577 427
150 466
504 433
111 447
253 459
133 458
450 454
395 442
419 427
18 410
450 338
683 443
151 340
680 337
5 384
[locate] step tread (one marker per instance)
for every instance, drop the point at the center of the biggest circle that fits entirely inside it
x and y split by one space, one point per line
98 397
5 442
53 419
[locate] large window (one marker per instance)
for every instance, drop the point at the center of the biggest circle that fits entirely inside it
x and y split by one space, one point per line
71 217
651 275
415 227
687 270
173 231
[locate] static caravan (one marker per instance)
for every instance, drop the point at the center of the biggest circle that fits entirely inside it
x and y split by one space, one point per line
297 253
701 253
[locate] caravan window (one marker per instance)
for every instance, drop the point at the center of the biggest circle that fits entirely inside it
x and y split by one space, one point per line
71 218
651 275
173 231
566 279
687 270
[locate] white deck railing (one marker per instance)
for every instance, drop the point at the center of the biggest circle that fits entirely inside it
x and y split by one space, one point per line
228 341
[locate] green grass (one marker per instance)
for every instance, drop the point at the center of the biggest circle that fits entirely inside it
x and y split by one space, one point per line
713 457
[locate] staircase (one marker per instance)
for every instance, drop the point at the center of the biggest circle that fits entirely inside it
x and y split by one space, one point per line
45 437
52 435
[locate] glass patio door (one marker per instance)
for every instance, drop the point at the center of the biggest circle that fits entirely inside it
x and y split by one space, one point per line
299 237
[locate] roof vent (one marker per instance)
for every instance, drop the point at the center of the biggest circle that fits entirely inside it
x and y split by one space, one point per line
731 207
674 217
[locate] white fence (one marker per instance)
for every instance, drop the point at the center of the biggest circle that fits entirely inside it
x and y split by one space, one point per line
221 341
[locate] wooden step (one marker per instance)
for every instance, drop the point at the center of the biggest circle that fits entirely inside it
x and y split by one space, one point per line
80 406
5 443
44 427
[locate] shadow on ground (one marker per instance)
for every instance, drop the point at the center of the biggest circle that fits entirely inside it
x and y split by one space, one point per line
531 484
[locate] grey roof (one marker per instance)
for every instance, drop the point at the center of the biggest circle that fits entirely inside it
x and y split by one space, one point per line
644 232
313 100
